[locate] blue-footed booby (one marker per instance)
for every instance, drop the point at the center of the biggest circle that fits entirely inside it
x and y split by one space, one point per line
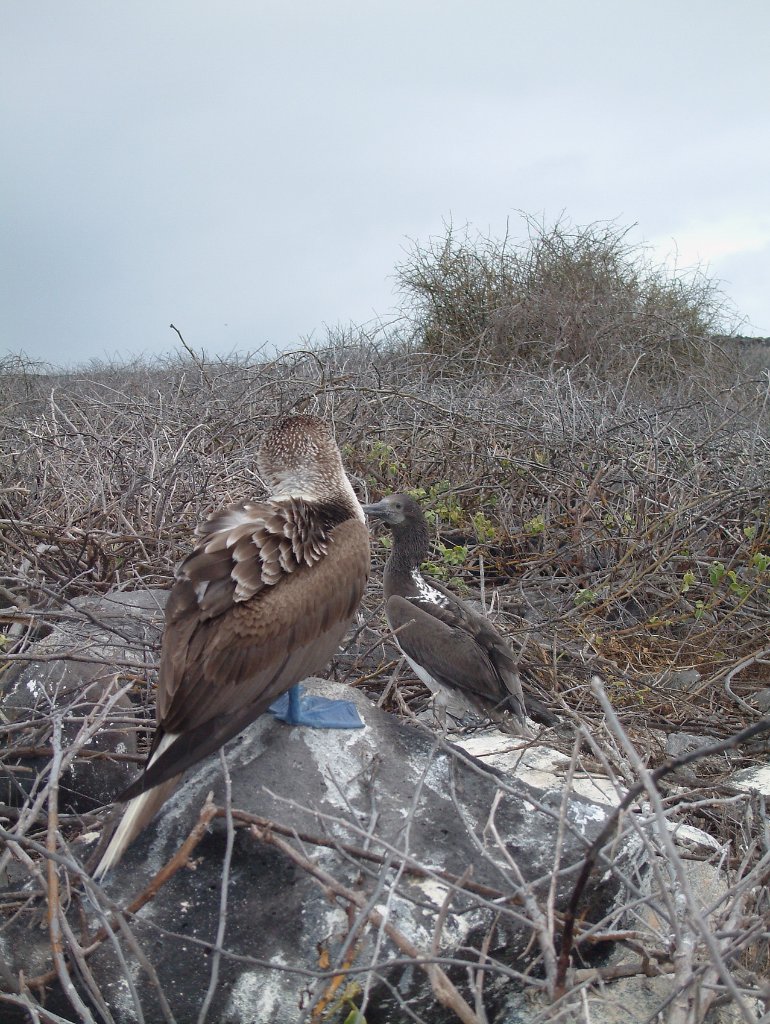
263 601
449 646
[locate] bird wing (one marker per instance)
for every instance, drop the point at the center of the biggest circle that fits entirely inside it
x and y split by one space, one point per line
502 656
262 602
458 648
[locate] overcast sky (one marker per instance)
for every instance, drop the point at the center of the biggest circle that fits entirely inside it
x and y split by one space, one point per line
253 171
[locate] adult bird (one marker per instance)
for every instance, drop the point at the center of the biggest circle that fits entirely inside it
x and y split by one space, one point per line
449 646
263 601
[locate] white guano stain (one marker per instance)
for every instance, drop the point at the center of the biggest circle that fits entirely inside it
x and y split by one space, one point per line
582 814
348 753
258 996
400 913
752 780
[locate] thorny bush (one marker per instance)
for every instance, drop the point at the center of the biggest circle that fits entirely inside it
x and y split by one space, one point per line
611 532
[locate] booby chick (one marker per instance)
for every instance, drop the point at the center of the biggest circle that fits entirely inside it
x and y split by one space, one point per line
263 601
449 646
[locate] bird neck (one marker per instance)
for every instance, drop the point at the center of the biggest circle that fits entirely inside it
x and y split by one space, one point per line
336 490
409 551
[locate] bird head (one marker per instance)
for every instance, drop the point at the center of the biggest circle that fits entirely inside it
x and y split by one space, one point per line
395 511
299 457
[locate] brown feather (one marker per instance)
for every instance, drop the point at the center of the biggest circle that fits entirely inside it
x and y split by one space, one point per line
472 661
450 645
213 666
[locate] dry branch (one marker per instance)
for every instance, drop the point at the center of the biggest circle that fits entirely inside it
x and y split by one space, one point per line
612 532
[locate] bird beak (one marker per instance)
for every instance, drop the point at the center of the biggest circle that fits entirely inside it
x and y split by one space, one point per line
378 510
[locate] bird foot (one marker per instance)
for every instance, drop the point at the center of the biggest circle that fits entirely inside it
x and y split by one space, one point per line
297 708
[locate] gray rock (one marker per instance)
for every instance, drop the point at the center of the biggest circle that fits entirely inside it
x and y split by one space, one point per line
679 743
639 998
751 780
762 700
82 660
681 679
388 779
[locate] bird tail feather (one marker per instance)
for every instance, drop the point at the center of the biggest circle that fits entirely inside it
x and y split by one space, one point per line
138 814
514 702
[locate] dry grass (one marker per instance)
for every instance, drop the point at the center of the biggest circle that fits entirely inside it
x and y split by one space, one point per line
611 533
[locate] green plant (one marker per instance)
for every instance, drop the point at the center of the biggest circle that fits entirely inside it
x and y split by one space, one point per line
450 557
355 1016
385 458
688 580
716 573
719 574
485 529
760 561
535 526
454 555
436 500
737 586
442 506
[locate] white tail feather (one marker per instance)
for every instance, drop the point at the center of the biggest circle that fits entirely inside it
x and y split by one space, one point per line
138 814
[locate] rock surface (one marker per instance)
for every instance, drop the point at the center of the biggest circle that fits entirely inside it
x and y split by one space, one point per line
85 657
390 782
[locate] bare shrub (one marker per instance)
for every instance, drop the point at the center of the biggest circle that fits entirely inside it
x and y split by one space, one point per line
566 296
638 525
609 533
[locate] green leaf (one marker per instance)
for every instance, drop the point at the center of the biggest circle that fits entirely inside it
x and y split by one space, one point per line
485 531
455 555
355 1017
716 573
760 561
535 525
